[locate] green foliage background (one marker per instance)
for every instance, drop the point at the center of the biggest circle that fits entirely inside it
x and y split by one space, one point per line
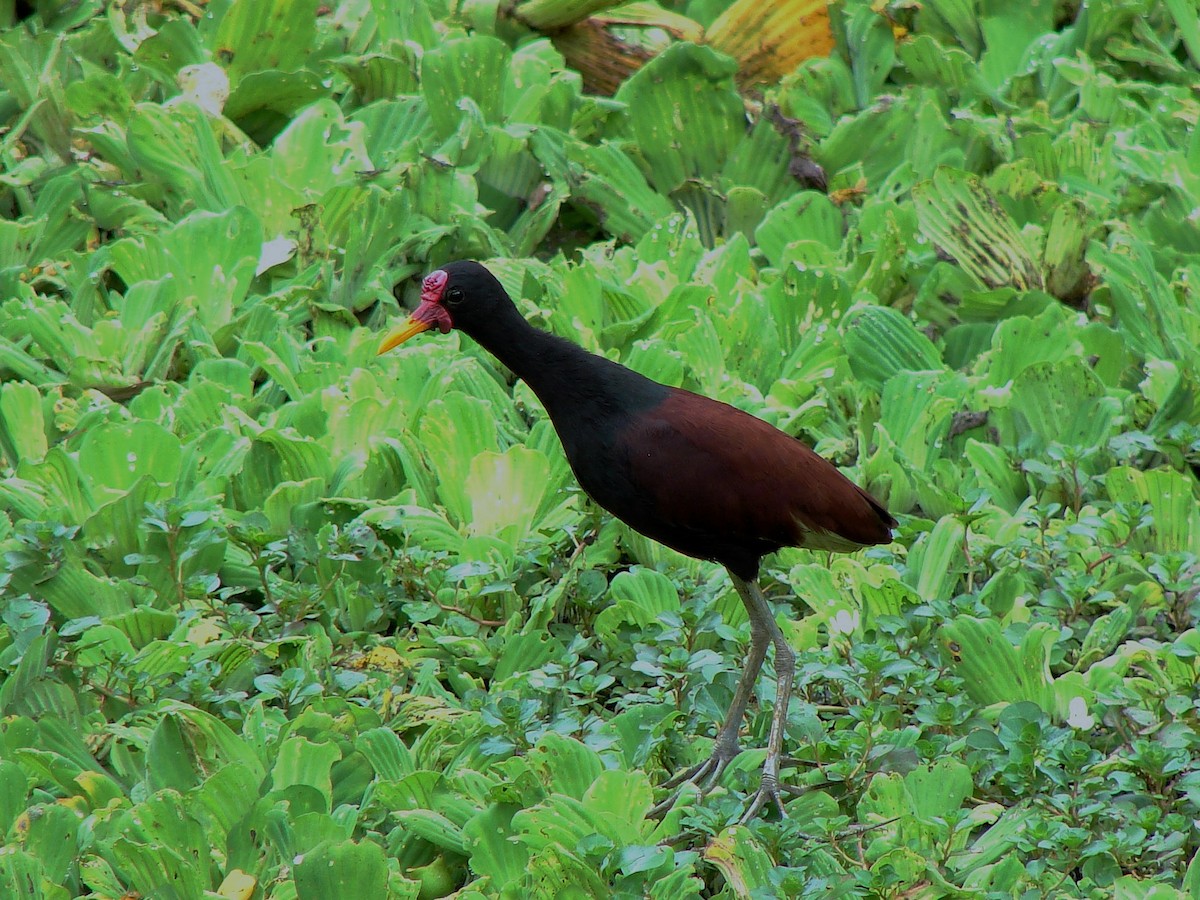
283 619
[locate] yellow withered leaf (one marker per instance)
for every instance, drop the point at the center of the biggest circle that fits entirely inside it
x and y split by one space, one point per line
238 885
770 39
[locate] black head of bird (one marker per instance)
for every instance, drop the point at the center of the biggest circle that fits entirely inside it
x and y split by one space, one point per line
462 295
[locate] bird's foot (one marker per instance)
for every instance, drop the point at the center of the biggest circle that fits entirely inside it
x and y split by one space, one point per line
703 775
769 792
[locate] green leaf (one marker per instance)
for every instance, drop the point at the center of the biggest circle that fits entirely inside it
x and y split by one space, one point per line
939 789
388 755
918 407
14 791
955 20
1146 310
553 872
964 220
1021 341
640 596
1173 506
607 181
808 216
1064 403
262 36
114 457
227 796
34 71
176 149
624 795
505 490
1063 257
1188 23
763 161
318 150
882 594
881 341
565 765
210 259
813 585
646 590
488 841
468 70
341 869
1191 878
1007 37
523 653
950 68
872 51
744 863
300 761
155 869
22 425
936 560
435 828
684 114
996 473
188 742
455 429
549 15
994 671
22 876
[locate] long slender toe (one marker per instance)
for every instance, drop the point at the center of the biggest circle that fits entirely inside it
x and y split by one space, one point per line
769 791
703 775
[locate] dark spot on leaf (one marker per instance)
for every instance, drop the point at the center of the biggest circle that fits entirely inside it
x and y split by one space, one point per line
965 420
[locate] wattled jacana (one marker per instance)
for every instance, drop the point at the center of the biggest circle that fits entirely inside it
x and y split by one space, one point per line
696 474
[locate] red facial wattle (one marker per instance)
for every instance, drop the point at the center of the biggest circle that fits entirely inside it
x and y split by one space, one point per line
431 310
433 285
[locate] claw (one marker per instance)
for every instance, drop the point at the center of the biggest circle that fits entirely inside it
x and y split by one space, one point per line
768 792
763 795
703 775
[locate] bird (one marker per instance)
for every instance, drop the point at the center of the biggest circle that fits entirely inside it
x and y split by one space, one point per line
696 474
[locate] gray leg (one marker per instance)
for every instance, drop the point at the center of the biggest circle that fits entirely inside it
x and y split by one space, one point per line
760 639
785 670
763 632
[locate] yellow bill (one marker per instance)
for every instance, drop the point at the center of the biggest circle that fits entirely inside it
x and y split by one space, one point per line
412 326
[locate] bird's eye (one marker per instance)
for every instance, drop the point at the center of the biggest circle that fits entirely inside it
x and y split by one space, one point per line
454 296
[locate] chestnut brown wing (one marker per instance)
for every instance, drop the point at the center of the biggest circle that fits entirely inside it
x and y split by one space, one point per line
711 470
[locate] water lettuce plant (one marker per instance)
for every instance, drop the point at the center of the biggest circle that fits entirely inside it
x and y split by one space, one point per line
282 619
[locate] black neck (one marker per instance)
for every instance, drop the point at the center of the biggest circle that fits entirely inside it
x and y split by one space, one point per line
571 382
